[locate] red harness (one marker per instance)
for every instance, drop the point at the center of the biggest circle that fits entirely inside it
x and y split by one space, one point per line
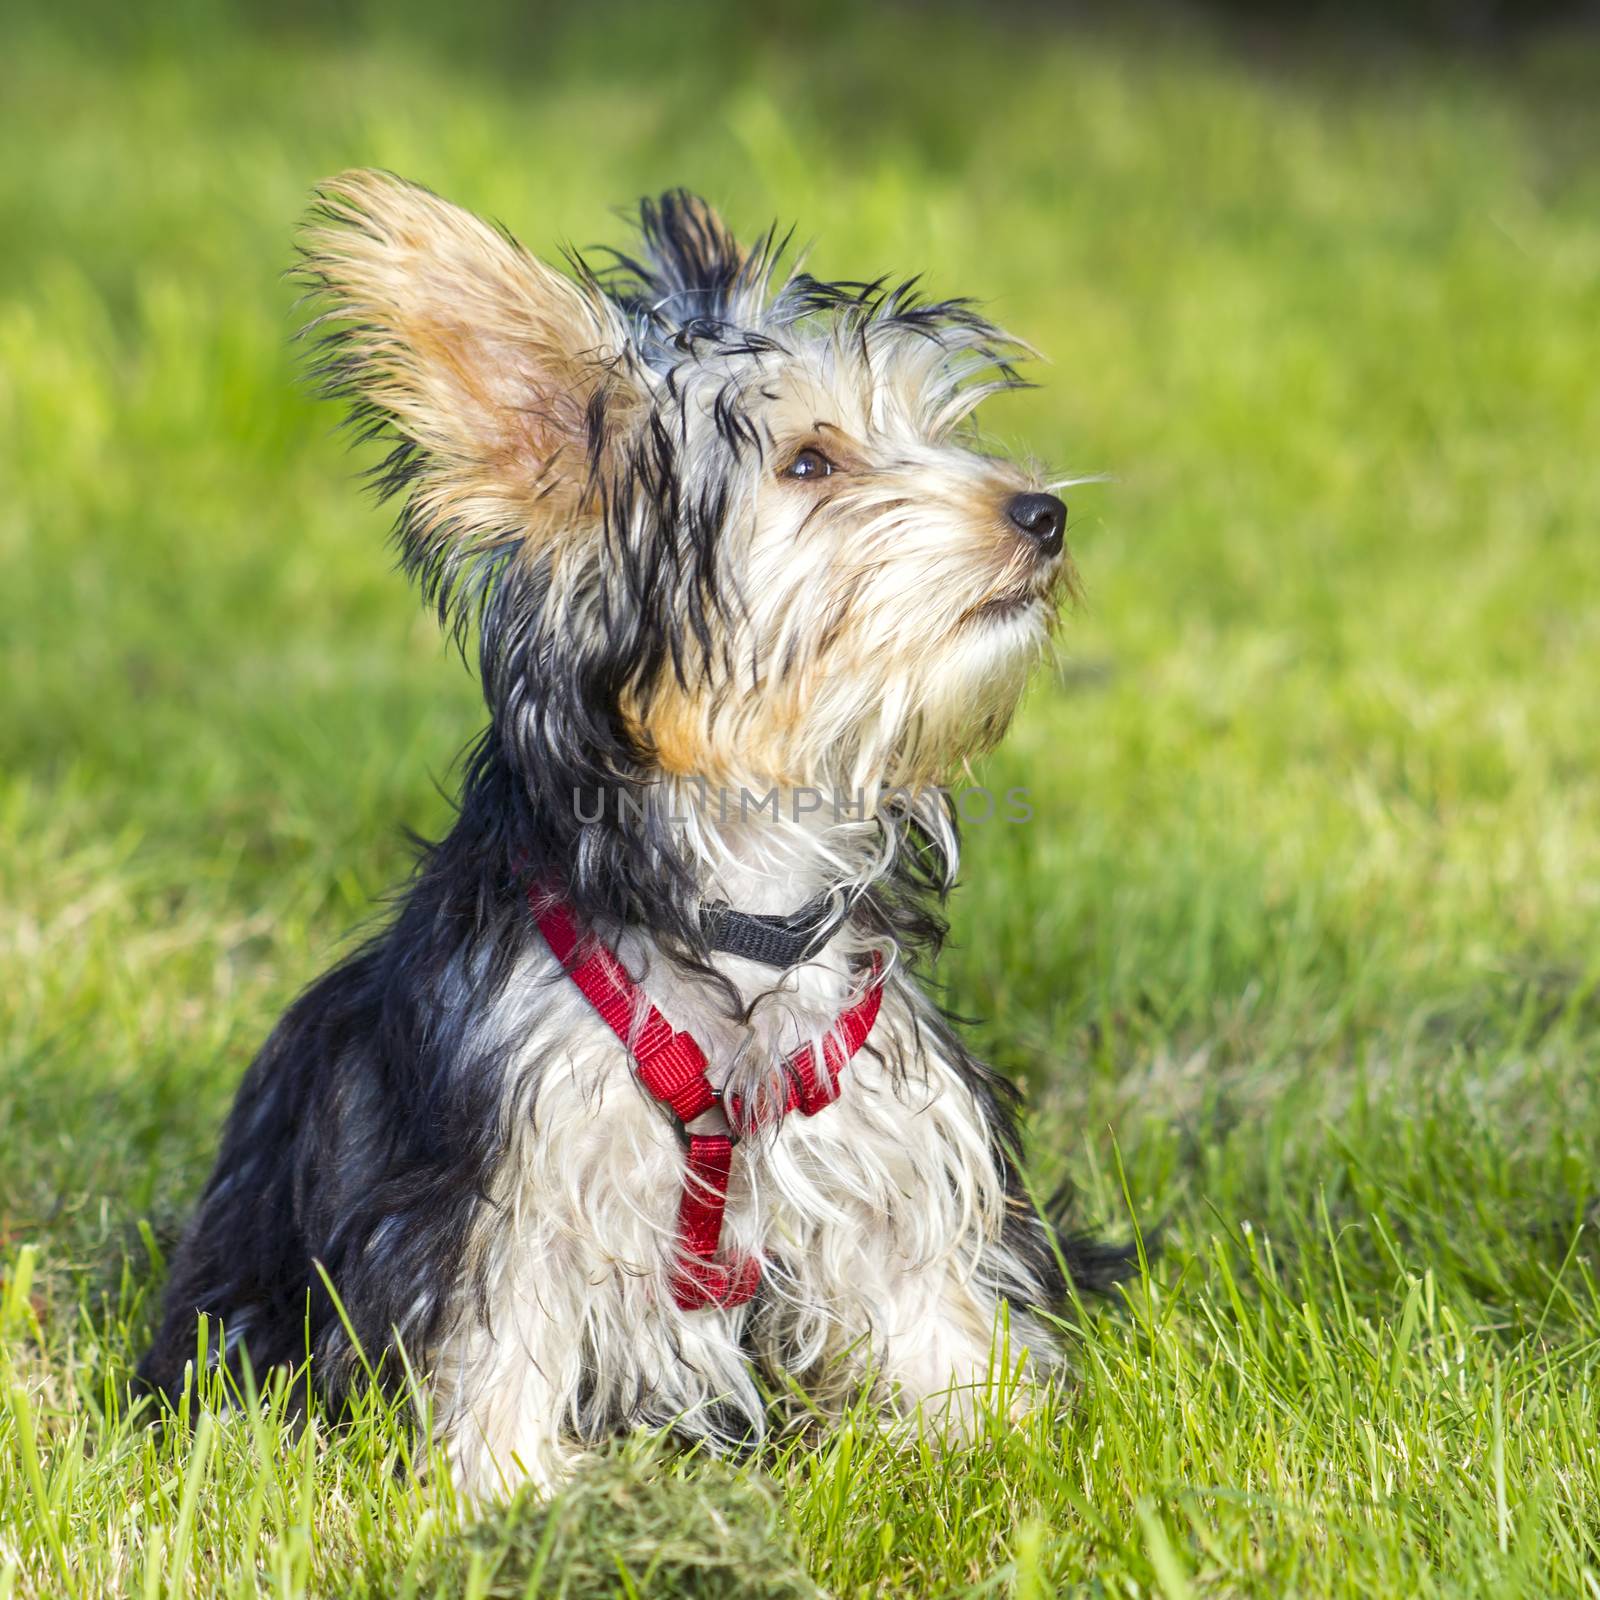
673 1068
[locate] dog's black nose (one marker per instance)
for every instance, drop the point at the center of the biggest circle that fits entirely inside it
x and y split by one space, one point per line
1040 517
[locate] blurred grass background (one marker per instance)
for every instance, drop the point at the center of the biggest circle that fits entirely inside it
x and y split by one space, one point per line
1297 955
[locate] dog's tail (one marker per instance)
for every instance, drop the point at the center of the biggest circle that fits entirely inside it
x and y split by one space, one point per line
1092 1265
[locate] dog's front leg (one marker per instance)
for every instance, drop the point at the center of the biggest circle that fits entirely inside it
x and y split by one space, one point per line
931 1338
501 1400
566 1330
904 1258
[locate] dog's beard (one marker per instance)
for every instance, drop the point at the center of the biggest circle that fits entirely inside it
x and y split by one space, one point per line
880 706
919 715
928 725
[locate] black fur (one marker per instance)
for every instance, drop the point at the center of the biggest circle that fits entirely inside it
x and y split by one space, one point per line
366 1131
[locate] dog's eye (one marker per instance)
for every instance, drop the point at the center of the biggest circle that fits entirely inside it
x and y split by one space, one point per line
810 463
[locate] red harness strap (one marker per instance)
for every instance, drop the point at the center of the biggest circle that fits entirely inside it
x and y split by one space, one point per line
672 1067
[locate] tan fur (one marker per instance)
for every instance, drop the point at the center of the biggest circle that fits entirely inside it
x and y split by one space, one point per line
484 356
859 646
839 669
861 655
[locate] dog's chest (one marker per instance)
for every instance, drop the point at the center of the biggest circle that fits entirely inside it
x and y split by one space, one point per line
597 1163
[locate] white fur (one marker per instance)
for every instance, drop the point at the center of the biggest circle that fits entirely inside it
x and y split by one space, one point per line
875 626
878 1221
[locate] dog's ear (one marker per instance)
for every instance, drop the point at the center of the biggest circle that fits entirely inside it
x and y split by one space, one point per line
691 268
501 383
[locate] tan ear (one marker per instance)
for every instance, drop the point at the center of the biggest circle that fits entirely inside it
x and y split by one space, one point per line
500 376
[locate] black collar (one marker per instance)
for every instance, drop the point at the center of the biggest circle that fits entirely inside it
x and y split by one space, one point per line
775 941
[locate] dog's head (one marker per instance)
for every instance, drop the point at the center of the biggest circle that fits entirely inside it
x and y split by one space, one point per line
715 525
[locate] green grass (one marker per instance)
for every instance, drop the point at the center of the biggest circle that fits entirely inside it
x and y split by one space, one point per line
1297 956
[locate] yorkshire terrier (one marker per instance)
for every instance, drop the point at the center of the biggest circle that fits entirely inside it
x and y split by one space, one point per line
636 1105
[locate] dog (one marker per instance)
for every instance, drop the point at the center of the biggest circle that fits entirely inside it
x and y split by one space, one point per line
635 1105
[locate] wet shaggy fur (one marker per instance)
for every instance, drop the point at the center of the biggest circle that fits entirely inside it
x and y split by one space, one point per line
728 543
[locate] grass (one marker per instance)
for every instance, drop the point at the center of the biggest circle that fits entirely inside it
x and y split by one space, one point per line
1296 956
